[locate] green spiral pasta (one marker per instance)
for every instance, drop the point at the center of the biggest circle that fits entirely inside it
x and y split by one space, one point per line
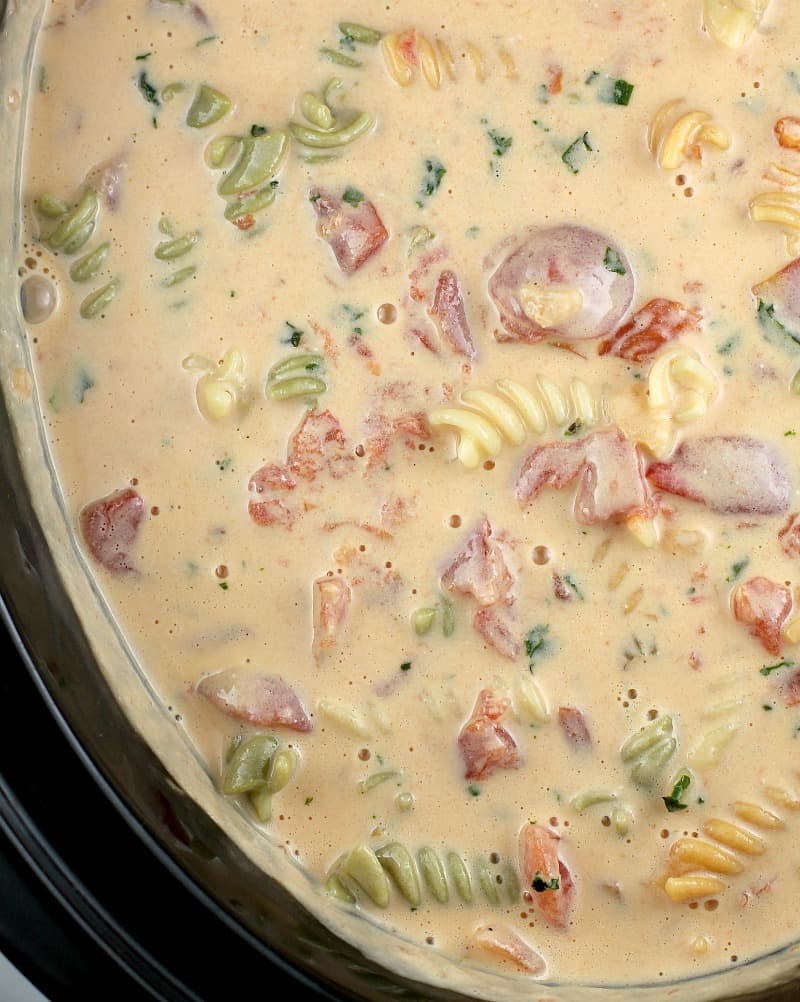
86 267
297 376
95 303
209 106
444 876
259 768
260 158
73 224
649 750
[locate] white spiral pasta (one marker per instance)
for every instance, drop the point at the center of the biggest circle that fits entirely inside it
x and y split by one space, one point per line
406 52
531 700
680 384
485 420
721 721
220 388
781 208
672 132
732 22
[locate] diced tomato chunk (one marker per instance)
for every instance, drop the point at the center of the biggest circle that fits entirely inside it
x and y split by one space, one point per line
650 328
789 536
450 314
484 743
319 445
572 722
545 875
354 233
612 478
267 487
493 625
110 526
483 568
764 606
332 597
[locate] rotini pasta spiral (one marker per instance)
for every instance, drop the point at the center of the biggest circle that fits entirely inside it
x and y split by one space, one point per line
443 874
484 420
681 384
259 768
721 721
74 227
732 22
220 388
782 208
649 750
405 52
700 864
673 133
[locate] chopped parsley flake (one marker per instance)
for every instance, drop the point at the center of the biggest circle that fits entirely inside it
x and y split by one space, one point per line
537 643
729 345
769 669
474 791
613 261
540 883
258 130
673 801
435 170
148 91
575 155
773 327
295 335
622 92
737 568
405 666
353 196
83 383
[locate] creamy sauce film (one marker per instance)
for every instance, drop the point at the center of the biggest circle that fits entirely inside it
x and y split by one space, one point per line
422 389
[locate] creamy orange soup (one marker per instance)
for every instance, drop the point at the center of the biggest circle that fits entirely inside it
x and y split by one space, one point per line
422 387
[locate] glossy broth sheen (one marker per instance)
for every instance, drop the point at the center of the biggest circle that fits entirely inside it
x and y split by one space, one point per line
393 589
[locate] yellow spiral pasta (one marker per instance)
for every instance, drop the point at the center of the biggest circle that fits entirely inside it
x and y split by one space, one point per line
220 388
673 131
701 865
410 51
485 420
732 22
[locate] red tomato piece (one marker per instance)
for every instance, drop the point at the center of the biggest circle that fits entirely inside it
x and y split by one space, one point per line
763 606
266 505
354 233
650 328
483 568
492 624
484 743
789 536
450 314
612 478
332 597
542 867
572 722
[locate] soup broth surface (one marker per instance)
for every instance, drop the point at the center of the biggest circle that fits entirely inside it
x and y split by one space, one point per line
421 381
